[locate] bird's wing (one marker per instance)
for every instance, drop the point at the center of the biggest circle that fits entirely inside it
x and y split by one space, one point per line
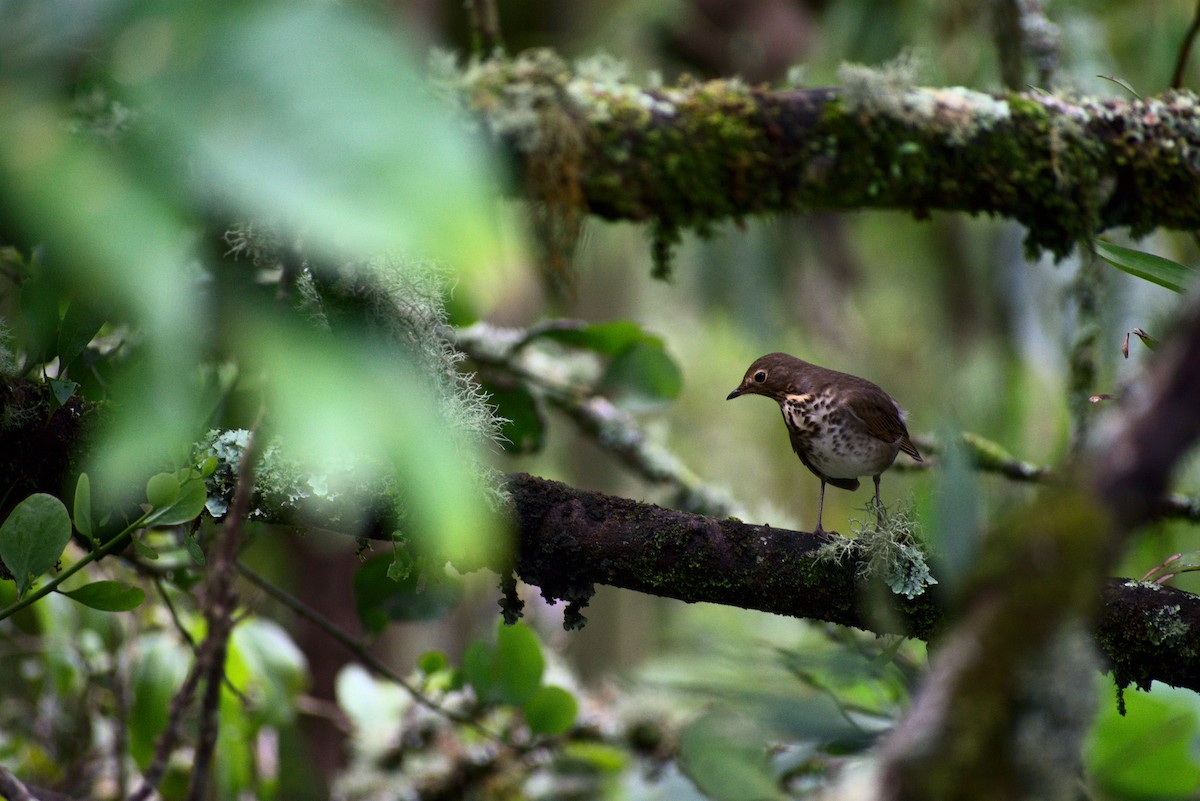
883 421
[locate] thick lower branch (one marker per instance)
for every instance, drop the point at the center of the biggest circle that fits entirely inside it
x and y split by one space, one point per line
571 539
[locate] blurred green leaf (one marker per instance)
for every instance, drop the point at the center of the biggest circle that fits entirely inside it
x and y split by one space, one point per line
550 711
311 114
33 538
208 466
353 405
642 376
1164 272
1152 751
160 663
83 505
79 327
379 599
524 429
187 504
726 758
108 596
119 240
431 662
38 323
162 489
478 668
233 768
955 537
509 672
519 663
608 338
142 549
194 550
266 665
598 756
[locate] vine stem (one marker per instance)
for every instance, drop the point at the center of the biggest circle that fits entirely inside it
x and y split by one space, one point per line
87 559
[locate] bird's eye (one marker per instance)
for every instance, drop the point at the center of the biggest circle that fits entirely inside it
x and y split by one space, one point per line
760 376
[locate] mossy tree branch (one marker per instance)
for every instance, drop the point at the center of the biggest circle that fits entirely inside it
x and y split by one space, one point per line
570 539
702 153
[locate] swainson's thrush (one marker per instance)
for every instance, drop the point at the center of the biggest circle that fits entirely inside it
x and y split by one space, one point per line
841 426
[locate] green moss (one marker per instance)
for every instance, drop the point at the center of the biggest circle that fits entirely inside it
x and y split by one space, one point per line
691 156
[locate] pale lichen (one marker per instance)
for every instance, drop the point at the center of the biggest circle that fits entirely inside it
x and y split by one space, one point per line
890 552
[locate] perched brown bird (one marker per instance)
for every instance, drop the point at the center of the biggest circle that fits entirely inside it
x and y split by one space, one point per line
841 426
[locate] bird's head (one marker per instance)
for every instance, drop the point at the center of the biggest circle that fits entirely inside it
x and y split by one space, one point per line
772 375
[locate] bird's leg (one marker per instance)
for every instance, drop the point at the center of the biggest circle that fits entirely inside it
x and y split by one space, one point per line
820 508
878 506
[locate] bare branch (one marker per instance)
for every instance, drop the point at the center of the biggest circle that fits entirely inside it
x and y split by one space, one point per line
505 352
1185 50
12 788
219 604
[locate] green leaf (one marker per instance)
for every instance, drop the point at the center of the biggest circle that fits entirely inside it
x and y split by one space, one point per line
379 600
314 115
187 505
401 566
518 665
83 505
726 758
208 466
1150 752
956 536
194 550
335 402
478 668
108 596
551 710
33 538
62 390
80 324
431 662
143 550
524 428
266 664
162 489
1164 272
160 664
608 338
642 376
38 321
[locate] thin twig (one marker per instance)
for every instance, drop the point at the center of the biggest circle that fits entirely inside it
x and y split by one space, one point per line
183 632
1121 84
219 604
1185 50
12 788
502 351
485 27
355 647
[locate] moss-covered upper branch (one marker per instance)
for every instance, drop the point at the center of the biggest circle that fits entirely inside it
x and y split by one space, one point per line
701 153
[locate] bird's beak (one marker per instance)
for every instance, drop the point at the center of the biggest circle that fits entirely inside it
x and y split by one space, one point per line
735 393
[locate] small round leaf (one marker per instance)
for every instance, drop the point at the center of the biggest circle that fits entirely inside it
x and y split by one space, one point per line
551 710
162 490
